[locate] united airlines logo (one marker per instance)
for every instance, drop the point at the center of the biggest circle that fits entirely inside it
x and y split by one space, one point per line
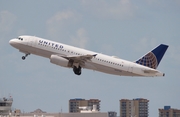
52 44
148 60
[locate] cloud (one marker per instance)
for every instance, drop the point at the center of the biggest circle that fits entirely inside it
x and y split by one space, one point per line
7 20
57 25
107 49
21 31
80 39
150 2
178 2
144 44
122 9
174 54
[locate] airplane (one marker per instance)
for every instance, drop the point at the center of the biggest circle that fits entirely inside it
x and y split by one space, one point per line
78 58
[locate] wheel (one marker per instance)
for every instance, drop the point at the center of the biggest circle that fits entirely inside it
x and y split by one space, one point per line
23 57
76 70
79 73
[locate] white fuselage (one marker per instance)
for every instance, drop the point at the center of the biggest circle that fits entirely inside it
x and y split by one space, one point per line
101 62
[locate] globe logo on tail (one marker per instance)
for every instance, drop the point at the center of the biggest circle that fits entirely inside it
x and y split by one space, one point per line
148 60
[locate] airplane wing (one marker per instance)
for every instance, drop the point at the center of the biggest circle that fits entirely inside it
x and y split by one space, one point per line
80 58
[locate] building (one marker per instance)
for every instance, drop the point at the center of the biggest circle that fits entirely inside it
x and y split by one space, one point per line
5 105
112 114
74 104
169 112
103 114
40 113
134 108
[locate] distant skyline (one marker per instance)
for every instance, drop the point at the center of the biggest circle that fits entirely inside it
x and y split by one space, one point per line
124 28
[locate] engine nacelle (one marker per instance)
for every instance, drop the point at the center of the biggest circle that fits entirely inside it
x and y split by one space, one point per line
55 59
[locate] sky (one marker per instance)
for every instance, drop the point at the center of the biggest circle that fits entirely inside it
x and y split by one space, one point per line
124 28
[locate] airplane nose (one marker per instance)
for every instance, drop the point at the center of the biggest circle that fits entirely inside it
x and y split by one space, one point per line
12 42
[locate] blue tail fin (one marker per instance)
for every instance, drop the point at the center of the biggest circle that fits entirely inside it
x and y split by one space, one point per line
153 58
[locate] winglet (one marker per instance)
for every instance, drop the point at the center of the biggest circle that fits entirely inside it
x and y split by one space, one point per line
153 58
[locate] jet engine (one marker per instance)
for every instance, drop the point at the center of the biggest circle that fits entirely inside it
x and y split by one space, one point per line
55 59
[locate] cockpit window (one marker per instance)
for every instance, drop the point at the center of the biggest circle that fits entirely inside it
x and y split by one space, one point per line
20 38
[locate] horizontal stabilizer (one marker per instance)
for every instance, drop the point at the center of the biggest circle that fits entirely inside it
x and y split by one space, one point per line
150 71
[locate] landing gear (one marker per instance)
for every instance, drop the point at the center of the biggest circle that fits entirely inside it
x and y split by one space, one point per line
77 70
24 57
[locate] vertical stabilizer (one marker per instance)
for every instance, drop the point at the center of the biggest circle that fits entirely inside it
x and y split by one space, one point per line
153 58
